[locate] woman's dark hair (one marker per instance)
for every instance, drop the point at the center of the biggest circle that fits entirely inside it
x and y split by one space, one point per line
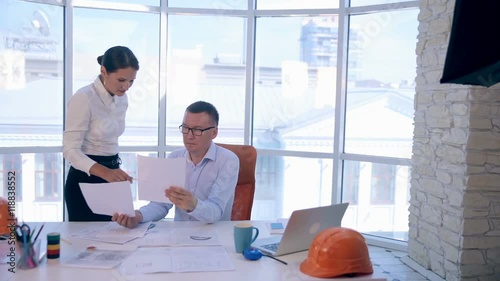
203 106
118 57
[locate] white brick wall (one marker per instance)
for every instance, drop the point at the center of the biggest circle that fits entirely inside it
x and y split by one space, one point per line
455 186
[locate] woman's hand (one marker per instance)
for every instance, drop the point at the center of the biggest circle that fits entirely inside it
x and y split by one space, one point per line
110 175
115 175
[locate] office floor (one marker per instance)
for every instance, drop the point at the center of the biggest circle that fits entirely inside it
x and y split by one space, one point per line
390 263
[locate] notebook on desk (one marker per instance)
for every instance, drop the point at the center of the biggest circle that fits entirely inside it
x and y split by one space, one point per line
301 229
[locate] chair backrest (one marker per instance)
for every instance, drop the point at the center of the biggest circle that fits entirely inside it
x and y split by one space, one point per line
245 188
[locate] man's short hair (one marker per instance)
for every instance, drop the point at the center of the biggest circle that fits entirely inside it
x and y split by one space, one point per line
203 106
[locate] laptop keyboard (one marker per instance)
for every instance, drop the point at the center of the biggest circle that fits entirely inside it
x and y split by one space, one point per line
271 247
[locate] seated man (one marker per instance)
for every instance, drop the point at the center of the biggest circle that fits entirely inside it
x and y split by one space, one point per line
211 174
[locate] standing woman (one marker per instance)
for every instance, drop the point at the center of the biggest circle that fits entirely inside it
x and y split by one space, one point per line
95 118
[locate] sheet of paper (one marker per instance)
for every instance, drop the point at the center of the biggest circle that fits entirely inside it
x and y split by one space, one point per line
97 258
157 174
110 233
178 237
177 259
99 195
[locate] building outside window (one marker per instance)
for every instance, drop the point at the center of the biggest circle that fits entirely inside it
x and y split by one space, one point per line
383 184
351 182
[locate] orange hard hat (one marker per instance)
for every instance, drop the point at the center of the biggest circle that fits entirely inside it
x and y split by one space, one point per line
4 216
335 252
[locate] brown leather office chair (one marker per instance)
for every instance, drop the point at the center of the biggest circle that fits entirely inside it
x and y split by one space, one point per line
245 187
5 216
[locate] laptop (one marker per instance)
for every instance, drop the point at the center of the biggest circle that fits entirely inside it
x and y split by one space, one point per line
301 229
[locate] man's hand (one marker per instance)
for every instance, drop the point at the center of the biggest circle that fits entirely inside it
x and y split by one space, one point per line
181 198
126 221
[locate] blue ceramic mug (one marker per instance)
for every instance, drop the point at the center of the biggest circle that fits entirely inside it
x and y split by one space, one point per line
244 236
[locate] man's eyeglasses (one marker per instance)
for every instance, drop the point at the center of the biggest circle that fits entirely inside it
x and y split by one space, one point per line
196 132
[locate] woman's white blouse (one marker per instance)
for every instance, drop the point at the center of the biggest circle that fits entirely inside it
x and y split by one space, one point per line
94 121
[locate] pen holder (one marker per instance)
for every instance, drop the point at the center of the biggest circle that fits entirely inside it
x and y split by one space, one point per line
29 255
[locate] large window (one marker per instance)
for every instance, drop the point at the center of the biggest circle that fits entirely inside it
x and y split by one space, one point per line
296 4
127 29
206 61
294 100
31 74
285 184
323 91
378 197
380 88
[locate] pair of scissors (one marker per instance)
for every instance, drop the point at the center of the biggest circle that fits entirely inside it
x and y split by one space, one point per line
23 233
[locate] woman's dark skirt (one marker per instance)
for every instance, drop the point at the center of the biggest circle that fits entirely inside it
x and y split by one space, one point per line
77 207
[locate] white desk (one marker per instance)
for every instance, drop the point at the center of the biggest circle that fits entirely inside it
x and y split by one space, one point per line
263 269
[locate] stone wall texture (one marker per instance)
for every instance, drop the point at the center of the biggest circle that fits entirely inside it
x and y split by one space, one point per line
455 184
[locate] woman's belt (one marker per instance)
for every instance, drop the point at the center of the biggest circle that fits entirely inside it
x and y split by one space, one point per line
112 160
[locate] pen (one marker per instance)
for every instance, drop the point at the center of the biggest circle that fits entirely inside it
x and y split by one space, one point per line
39 231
